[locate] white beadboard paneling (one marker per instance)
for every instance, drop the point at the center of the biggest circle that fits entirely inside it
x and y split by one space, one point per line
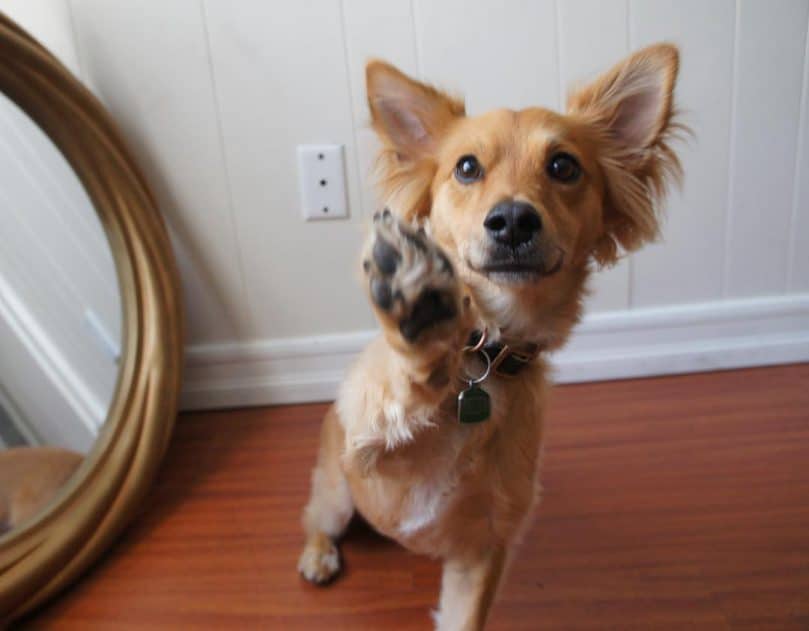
769 70
50 22
799 228
377 30
382 30
686 338
281 78
592 37
149 64
609 288
495 55
687 265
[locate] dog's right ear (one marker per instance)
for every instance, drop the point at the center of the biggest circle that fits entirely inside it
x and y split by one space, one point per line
410 117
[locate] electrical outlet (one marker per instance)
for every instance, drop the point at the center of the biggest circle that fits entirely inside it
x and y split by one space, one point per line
321 173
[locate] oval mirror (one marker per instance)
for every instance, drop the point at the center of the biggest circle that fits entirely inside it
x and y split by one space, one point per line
90 327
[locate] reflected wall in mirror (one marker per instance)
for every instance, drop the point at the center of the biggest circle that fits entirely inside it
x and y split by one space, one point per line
60 320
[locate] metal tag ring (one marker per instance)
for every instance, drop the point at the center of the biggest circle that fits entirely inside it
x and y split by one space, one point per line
475 380
484 336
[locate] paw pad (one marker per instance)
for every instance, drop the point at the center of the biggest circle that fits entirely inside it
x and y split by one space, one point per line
385 256
410 278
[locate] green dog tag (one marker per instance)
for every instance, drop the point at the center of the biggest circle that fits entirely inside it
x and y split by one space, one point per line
474 405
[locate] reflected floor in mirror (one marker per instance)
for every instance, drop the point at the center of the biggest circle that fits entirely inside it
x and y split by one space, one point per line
670 503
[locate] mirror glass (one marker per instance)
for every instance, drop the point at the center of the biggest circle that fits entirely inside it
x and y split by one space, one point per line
60 320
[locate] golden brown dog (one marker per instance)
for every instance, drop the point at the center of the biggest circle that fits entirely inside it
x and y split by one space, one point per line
498 220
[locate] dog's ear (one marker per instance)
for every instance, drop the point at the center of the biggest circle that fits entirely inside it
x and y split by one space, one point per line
410 119
409 115
631 110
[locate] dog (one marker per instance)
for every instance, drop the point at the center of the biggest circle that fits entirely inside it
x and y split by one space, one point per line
477 268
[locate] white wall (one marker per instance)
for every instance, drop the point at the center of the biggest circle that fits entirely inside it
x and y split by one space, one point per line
215 95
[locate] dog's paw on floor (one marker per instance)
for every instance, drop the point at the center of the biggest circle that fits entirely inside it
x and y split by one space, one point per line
320 560
410 278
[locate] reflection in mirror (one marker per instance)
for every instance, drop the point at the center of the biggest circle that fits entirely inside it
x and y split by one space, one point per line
60 320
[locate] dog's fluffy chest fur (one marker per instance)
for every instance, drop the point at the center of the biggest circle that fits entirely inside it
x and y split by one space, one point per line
432 483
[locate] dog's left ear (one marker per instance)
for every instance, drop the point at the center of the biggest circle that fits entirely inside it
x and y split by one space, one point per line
631 110
410 119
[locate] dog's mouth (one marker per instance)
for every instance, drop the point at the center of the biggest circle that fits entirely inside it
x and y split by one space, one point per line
511 268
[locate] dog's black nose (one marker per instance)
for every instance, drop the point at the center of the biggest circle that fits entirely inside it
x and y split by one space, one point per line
512 223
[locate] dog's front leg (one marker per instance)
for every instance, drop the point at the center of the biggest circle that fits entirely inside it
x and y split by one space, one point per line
418 300
415 293
468 588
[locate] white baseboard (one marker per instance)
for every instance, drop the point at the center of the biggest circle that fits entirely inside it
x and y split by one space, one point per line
615 345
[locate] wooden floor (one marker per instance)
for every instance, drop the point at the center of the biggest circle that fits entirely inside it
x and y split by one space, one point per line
671 503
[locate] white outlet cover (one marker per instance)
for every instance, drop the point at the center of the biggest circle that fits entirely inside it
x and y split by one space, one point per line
322 182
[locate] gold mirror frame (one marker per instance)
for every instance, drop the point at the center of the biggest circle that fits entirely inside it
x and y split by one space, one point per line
43 556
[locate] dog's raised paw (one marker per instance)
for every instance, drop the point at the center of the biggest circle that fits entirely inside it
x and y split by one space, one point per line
320 560
410 278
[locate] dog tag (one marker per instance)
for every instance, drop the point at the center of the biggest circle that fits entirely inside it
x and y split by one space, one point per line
474 405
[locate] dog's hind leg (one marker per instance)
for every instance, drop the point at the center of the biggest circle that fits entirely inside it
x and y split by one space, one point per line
330 507
468 588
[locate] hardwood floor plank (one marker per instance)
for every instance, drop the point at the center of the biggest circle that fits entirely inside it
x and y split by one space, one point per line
669 503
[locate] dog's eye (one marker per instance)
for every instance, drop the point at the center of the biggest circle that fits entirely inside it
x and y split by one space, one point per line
563 167
468 170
